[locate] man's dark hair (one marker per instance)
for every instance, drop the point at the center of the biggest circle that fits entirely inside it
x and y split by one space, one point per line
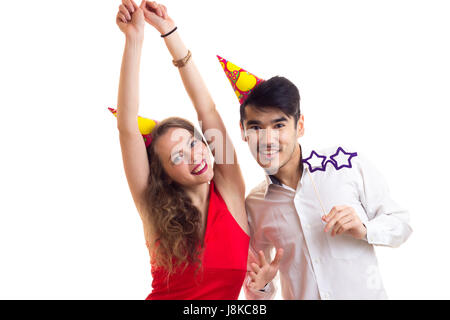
277 92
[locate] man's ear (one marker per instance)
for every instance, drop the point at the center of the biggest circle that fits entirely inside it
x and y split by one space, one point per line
300 126
243 135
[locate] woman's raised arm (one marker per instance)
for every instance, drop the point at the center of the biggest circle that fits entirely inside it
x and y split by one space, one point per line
130 20
131 23
226 167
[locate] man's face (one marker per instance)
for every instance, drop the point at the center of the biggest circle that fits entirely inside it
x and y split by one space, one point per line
271 136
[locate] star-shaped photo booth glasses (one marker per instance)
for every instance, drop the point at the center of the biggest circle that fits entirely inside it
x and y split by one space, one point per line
340 159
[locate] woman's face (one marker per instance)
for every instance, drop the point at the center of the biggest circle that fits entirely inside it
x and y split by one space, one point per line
185 158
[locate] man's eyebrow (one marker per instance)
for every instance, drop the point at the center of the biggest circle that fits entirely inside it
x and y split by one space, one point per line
279 120
250 122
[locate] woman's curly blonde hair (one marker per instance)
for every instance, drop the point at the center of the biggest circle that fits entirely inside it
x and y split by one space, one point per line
173 217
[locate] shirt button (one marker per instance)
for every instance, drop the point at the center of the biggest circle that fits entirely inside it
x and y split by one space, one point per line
308 226
317 261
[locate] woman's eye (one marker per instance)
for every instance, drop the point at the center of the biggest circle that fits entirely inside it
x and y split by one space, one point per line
177 159
279 125
193 143
254 128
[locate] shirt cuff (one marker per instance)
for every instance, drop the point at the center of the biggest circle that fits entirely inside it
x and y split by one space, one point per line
367 232
372 234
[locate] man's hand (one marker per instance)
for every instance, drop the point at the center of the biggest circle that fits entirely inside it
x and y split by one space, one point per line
130 19
344 219
263 273
156 15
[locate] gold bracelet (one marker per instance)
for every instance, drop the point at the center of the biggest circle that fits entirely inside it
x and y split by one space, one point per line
182 62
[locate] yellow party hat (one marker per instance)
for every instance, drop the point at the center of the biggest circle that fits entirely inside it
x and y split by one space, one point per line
241 80
145 127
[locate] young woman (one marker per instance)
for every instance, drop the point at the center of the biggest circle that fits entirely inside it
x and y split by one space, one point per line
192 210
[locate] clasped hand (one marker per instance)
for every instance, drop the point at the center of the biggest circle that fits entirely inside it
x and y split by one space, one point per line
130 18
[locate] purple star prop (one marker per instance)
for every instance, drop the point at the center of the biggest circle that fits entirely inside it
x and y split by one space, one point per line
349 155
322 166
334 162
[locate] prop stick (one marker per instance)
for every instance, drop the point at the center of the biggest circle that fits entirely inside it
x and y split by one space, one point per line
317 193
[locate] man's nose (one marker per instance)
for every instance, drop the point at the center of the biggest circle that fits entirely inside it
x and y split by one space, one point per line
269 137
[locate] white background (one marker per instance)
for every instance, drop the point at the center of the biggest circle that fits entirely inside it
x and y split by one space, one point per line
372 74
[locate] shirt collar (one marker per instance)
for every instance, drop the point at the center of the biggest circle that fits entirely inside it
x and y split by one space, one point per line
270 179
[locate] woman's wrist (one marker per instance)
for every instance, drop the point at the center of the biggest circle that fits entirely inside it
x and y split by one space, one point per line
135 39
166 28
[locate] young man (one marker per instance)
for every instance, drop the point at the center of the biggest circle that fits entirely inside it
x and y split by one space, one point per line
326 211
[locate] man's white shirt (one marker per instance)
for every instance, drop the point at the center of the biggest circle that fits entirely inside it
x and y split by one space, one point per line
316 265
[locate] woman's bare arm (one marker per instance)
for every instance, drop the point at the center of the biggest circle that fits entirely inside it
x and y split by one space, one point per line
226 168
128 95
134 153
